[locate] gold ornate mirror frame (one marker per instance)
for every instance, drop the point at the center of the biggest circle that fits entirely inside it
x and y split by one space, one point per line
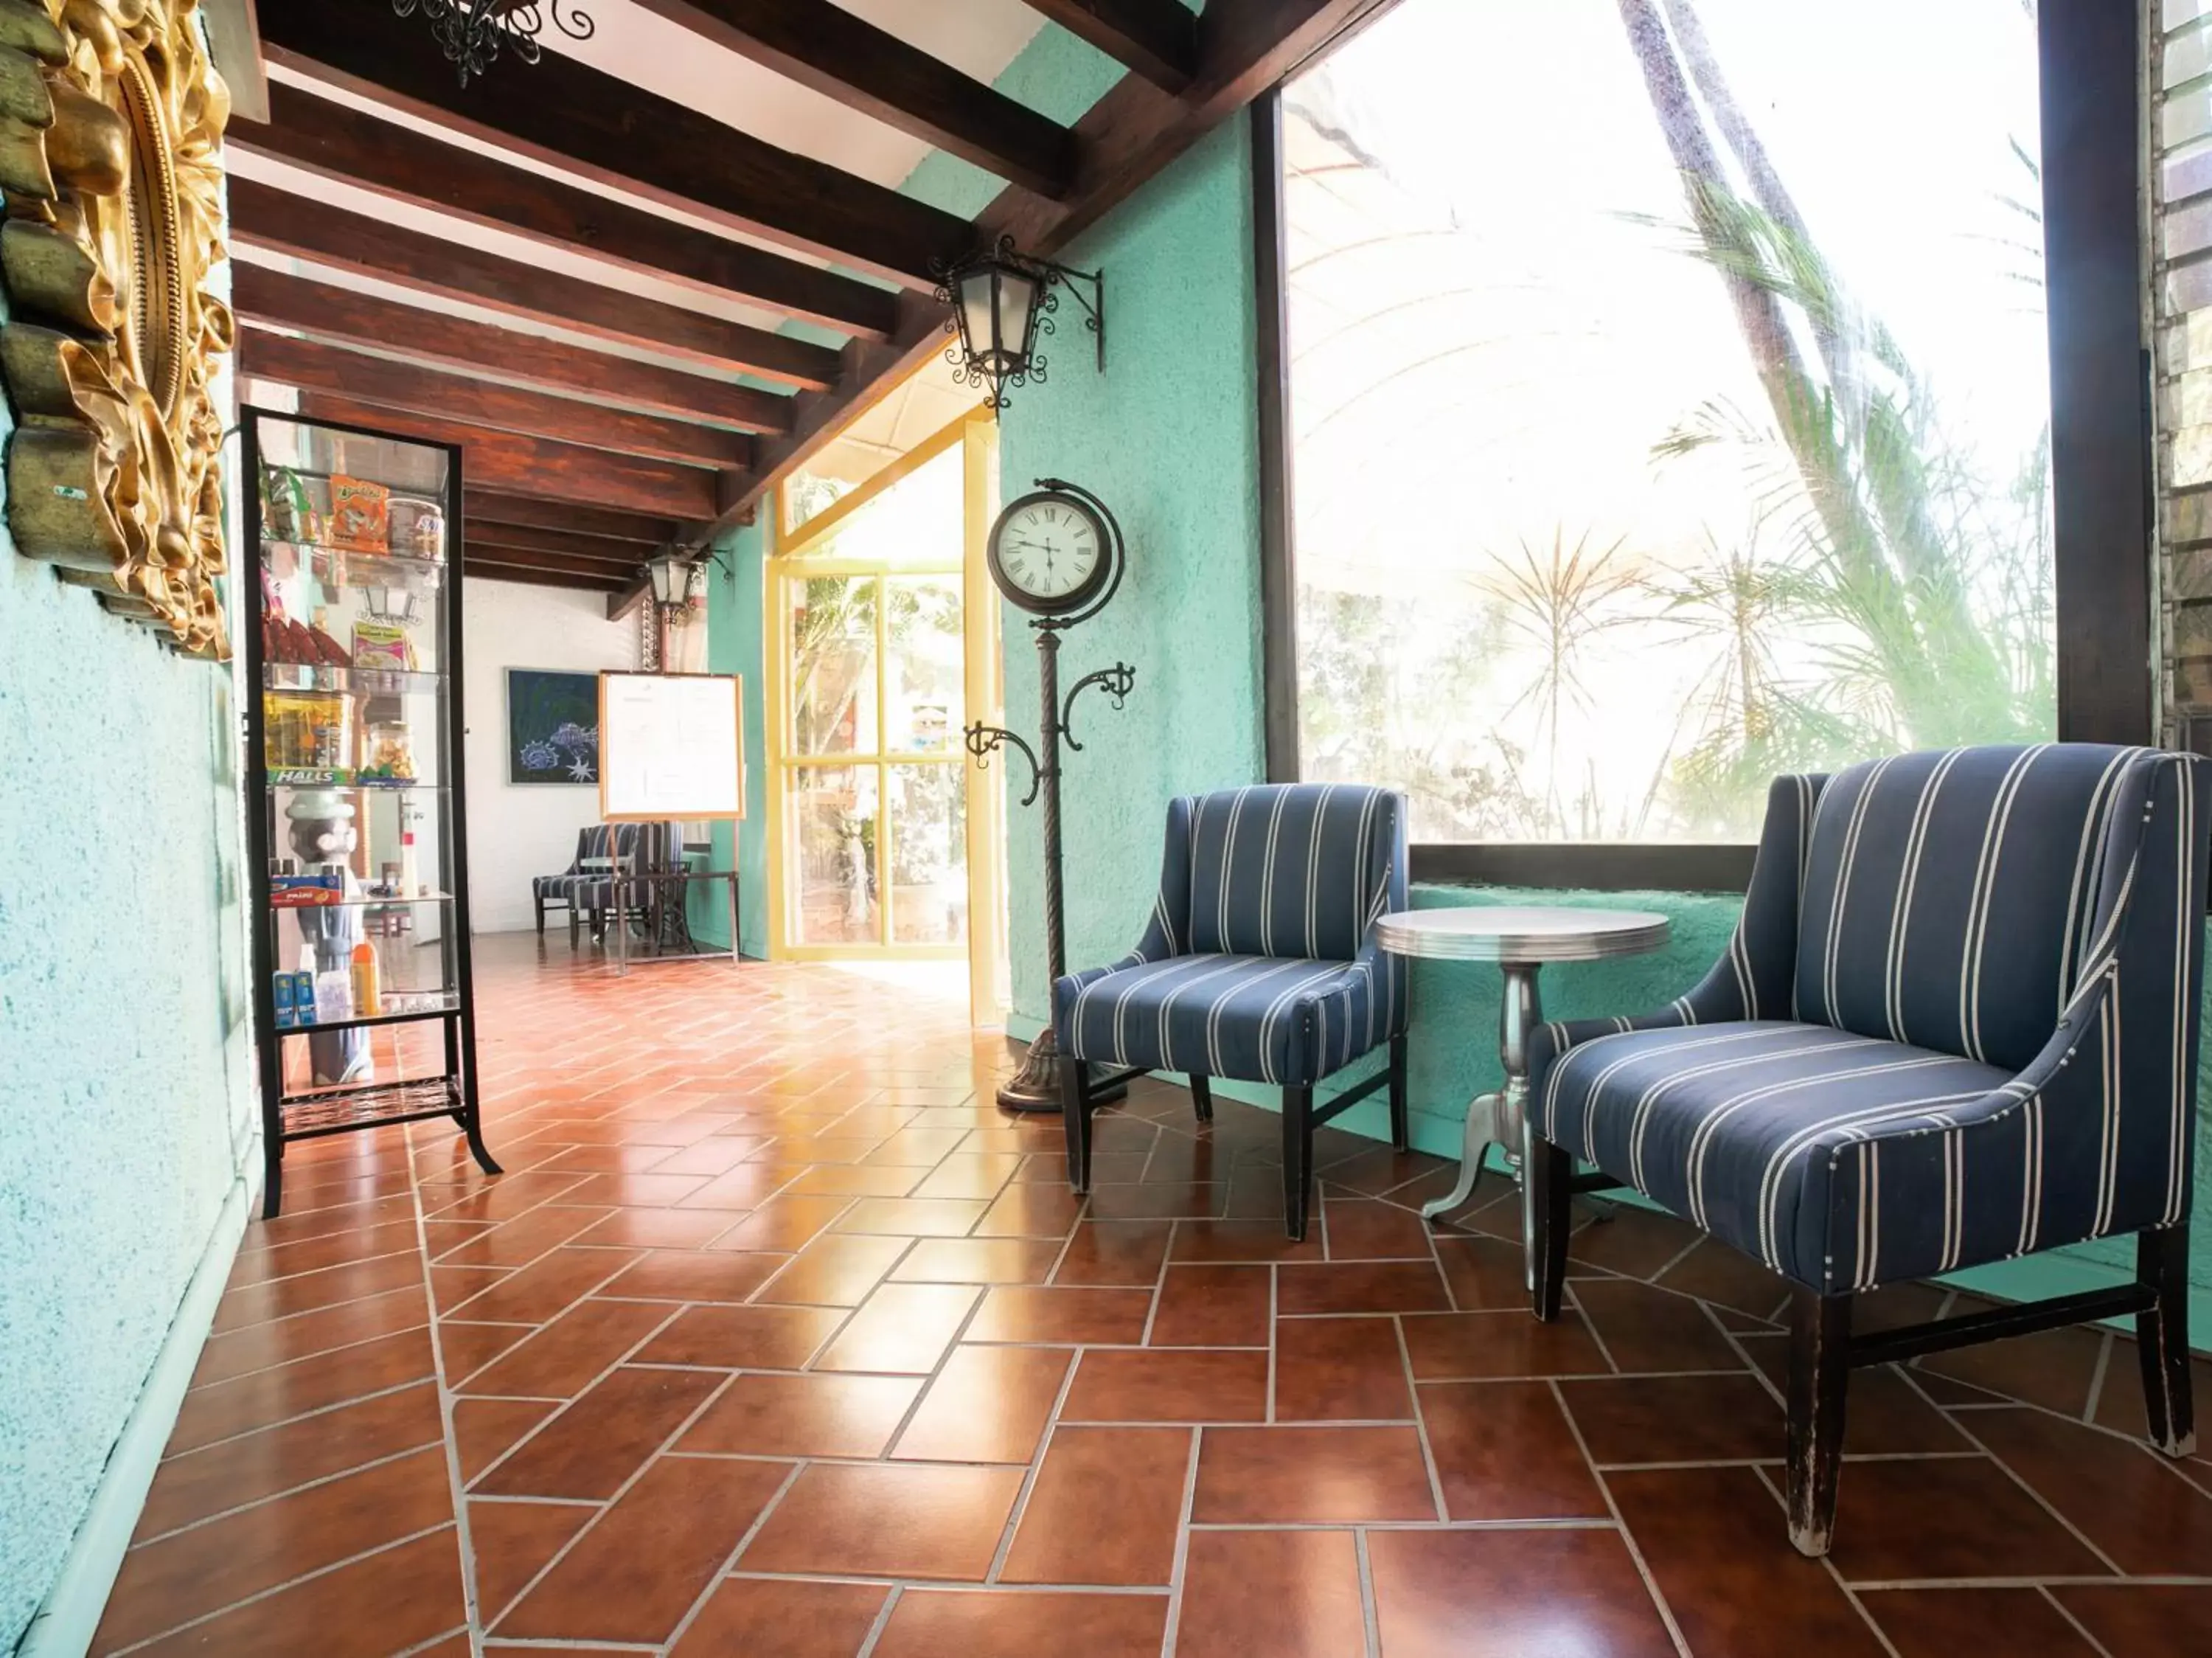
110 124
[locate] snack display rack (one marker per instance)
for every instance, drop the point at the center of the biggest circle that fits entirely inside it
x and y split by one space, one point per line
363 997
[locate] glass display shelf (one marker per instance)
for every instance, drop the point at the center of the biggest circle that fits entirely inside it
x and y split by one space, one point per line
360 681
336 1110
278 906
363 569
346 777
432 1007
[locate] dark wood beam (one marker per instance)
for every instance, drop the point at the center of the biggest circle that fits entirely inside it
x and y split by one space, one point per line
623 556
489 506
328 312
615 575
534 465
620 605
309 365
335 141
844 57
278 221
590 123
522 575
1158 39
1127 137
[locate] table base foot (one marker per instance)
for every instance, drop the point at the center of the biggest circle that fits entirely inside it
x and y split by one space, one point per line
1485 1128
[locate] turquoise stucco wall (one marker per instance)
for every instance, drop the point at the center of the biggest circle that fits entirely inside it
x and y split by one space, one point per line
124 1097
737 634
1165 436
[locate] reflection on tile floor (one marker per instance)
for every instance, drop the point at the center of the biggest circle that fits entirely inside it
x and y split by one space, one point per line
777 1337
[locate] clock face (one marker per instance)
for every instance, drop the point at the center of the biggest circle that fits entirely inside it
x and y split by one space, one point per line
1048 553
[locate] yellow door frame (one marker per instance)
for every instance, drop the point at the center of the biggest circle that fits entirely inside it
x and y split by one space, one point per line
976 434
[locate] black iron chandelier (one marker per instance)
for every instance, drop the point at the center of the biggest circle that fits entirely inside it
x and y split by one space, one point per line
473 33
1002 302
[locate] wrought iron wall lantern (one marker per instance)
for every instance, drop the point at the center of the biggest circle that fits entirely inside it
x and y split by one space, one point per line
473 33
670 576
1002 302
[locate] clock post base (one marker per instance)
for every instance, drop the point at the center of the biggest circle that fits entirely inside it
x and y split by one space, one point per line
1036 1085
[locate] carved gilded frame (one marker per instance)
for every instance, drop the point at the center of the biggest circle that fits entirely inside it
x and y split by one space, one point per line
111 128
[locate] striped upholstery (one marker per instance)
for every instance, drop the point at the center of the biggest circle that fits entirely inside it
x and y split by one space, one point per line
1258 962
1957 1021
588 883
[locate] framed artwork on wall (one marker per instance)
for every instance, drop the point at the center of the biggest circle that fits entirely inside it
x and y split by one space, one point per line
552 727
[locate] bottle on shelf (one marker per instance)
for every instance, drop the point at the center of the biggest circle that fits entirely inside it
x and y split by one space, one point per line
368 989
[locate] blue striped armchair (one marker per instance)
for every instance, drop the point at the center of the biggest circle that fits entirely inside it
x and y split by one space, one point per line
1957 1023
588 883
1259 964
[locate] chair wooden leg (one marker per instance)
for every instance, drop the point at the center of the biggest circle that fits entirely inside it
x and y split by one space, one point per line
540 904
1400 1131
1298 1160
1075 1117
2162 1340
1550 1175
1201 1098
576 926
1820 1370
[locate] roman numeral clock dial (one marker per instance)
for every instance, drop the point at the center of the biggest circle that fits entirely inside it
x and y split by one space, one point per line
1051 553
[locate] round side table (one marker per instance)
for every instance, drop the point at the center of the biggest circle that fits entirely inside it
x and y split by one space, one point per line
1519 940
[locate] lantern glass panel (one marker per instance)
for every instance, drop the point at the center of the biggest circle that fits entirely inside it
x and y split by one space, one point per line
1017 298
978 328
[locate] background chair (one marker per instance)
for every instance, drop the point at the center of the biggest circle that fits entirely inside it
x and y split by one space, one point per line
1259 964
1958 1023
594 851
604 852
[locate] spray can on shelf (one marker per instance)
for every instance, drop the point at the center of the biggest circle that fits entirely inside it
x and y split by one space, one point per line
367 990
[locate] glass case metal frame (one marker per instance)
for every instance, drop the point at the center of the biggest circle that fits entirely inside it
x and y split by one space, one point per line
455 1091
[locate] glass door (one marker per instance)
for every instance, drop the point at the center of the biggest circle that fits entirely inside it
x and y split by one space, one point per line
871 803
872 622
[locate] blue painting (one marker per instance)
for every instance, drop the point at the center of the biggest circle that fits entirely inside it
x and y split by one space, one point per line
552 727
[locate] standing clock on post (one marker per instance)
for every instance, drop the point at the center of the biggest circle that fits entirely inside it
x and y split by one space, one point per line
1058 554
1051 551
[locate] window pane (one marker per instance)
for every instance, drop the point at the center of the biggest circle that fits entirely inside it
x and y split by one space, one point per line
832 664
833 818
929 854
1670 403
920 519
928 665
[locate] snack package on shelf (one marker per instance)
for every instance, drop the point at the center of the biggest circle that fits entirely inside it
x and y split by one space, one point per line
359 514
382 646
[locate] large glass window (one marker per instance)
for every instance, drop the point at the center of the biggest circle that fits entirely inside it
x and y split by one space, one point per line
1669 404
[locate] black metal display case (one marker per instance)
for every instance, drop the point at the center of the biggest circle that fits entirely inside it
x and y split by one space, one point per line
356 815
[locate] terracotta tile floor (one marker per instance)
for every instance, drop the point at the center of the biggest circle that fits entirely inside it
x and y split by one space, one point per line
776 1337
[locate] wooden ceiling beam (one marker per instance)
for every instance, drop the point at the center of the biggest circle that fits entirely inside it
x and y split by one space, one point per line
623 556
335 141
615 575
828 49
1127 136
523 575
309 365
326 311
1158 39
620 605
585 121
278 221
491 506
534 465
